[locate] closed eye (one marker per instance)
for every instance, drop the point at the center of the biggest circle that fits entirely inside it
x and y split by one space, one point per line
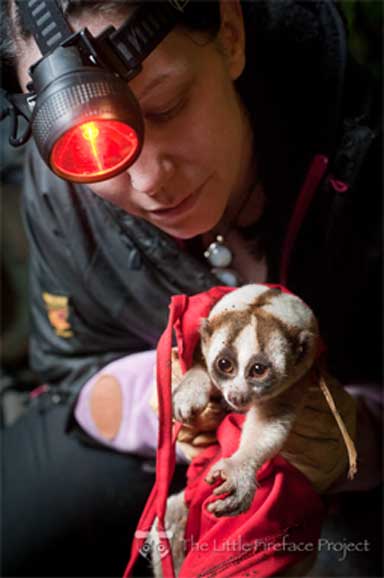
166 114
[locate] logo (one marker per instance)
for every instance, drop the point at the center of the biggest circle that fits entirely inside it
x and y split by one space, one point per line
152 544
58 312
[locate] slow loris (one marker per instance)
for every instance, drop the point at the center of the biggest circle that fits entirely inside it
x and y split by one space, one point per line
258 348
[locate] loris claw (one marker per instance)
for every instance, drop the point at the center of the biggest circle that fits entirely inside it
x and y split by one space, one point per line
239 483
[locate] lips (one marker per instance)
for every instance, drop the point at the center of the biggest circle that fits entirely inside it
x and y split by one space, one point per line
182 207
164 210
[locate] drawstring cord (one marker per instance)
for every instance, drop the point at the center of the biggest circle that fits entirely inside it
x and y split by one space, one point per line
350 446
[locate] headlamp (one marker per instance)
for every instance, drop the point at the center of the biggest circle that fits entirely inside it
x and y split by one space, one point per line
86 122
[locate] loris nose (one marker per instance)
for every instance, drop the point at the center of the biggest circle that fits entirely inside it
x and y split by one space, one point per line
238 398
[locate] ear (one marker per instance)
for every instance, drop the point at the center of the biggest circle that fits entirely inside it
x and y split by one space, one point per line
306 341
231 37
205 330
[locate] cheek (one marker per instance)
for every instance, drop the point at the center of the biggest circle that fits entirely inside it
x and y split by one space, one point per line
210 131
116 191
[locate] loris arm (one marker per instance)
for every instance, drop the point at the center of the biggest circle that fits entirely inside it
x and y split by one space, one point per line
263 436
264 433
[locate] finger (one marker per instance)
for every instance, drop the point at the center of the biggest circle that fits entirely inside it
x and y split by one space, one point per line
226 507
204 439
225 488
189 451
209 418
213 476
186 435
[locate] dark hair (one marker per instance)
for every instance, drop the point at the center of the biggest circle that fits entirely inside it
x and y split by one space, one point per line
198 15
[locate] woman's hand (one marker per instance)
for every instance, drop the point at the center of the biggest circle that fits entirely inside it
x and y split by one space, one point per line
193 438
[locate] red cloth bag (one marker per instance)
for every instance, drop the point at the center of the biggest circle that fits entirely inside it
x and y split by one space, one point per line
281 528
283 524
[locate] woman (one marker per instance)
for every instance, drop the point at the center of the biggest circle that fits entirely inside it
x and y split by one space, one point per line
238 100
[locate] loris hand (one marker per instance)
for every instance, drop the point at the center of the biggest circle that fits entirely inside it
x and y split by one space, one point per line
201 431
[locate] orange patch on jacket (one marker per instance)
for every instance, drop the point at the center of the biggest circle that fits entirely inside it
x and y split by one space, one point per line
106 406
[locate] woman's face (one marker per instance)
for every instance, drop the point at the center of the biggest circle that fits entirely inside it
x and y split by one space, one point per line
196 158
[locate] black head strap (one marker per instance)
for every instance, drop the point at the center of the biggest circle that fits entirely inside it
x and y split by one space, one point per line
46 22
143 31
122 50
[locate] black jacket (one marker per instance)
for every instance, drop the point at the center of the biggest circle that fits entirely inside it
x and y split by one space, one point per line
118 272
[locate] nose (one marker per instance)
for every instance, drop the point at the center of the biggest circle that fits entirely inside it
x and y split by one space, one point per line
152 171
238 398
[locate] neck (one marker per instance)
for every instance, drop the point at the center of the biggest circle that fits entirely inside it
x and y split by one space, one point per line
244 209
246 201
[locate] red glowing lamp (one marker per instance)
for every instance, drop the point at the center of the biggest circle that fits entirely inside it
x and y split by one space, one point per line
94 150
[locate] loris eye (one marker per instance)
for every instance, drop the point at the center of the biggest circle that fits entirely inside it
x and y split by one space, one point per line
225 365
258 370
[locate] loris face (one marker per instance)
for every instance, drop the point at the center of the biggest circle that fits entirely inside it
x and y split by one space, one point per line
256 343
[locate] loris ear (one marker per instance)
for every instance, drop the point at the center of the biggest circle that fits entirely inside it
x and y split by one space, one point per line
205 330
306 345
